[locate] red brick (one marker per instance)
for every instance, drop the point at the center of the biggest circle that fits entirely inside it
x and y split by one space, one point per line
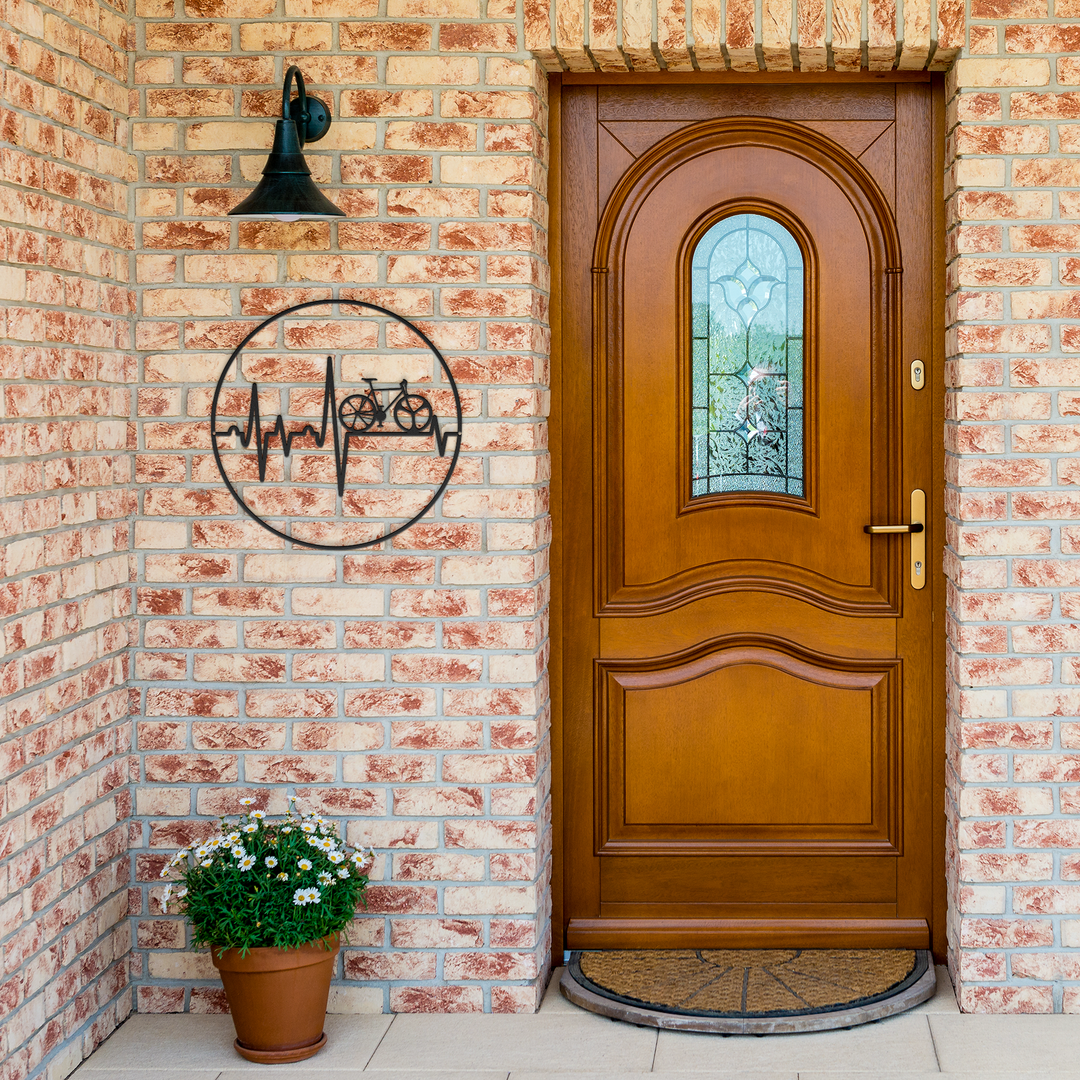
436 999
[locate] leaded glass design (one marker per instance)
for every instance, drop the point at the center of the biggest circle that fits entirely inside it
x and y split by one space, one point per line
747 297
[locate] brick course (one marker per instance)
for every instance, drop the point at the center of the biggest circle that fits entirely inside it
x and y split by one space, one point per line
420 719
1005 762
67 374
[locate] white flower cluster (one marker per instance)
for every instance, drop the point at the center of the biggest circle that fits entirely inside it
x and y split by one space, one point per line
167 895
319 833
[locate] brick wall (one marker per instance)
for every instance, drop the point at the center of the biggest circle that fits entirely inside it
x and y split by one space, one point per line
67 377
1012 434
400 689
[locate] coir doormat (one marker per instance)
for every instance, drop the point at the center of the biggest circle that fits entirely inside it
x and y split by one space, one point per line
750 990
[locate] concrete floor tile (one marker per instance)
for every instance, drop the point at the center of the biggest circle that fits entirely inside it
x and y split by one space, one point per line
90 1073
944 999
719 1075
557 1044
157 1042
553 1001
427 1074
982 1044
359 1074
900 1044
832 1074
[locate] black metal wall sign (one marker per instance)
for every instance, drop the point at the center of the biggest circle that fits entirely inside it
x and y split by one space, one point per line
361 422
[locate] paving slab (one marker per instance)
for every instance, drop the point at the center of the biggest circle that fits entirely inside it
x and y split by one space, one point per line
457 1074
553 1001
721 1075
358 1074
944 999
154 1043
559 1043
900 1044
830 1074
147 1073
984 1044
877 1075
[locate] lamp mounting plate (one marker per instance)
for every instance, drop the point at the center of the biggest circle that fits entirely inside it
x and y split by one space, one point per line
318 121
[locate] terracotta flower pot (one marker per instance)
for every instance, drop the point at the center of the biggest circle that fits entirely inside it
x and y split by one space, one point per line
278 999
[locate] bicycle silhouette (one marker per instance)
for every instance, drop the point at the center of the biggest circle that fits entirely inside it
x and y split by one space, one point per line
412 412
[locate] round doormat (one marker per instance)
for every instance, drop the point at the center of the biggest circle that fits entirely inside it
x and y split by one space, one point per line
749 991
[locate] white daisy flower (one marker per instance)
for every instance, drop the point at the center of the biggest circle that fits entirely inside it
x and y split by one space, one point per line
247 863
251 826
304 864
232 837
325 879
283 876
343 872
336 857
309 827
207 862
238 851
325 843
165 897
270 861
181 893
306 896
258 815
247 802
201 851
287 829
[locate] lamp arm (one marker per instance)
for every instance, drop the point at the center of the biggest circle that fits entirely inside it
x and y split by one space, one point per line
295 73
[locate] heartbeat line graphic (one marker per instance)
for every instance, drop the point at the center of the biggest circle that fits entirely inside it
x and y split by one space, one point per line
360 416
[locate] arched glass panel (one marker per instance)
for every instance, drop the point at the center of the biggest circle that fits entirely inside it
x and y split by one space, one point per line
747 329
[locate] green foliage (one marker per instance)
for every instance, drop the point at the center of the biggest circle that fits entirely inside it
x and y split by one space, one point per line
260 883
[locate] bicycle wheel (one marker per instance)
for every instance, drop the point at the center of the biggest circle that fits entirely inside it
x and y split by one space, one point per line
413 413
358 412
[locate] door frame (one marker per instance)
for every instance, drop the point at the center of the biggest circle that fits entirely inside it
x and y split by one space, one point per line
936 500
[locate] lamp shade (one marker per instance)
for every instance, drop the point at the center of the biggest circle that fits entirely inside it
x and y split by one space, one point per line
286 190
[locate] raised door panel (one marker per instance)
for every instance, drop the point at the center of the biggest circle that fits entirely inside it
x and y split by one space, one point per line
768 747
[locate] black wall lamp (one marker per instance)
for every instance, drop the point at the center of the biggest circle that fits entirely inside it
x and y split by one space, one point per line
286 190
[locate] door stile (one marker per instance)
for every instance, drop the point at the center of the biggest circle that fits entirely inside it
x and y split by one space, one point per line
557 608
579 212
936 509
915 161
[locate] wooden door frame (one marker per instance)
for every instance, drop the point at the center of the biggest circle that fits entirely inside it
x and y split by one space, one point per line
936 501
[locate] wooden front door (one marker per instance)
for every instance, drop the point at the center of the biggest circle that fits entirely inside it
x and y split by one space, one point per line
749 753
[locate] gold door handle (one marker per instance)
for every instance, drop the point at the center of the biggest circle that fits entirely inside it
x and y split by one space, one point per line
917 529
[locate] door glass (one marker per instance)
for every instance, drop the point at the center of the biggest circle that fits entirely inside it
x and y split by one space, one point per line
747 330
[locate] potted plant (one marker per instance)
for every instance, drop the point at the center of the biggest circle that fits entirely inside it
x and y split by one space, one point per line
271 899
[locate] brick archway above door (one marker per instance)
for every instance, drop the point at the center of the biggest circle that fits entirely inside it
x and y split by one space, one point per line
643 35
